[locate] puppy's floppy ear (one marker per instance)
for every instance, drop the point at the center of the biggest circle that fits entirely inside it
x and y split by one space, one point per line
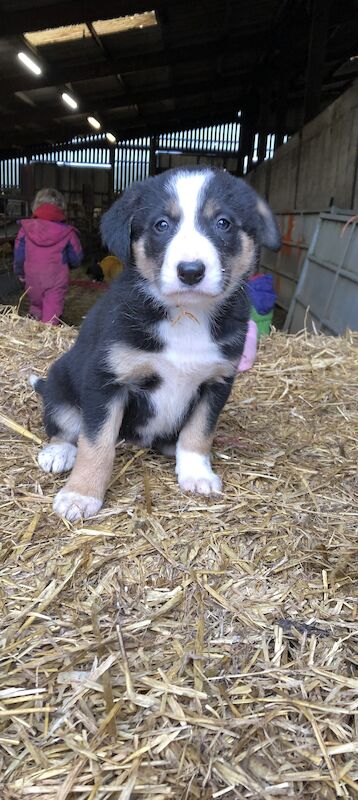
269 231
116 224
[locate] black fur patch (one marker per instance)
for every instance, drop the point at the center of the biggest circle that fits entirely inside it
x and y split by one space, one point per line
217 395
229 324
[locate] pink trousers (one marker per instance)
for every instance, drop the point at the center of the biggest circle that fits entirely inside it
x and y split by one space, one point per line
47 305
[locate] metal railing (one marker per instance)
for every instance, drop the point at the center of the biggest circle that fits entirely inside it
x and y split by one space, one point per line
130 158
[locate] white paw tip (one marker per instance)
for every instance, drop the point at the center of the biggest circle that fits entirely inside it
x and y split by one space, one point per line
57 457
205 486
74 506
33 380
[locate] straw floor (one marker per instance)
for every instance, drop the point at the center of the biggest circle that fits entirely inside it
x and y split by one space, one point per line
175 647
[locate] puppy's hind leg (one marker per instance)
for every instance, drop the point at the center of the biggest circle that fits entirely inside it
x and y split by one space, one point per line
57 456
62 421
60 454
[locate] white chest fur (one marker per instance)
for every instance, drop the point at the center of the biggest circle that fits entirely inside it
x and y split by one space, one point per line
190 348
189 359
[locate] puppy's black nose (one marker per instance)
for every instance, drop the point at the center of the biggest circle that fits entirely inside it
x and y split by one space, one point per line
191 272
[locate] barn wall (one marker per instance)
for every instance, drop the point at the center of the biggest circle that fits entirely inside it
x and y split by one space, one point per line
74 182
317 166
169 161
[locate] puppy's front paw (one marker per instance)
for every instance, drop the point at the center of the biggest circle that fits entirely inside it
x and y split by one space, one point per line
195 474
57 457
201 485
74 506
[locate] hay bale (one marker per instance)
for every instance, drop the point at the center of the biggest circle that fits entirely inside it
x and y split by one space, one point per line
175 647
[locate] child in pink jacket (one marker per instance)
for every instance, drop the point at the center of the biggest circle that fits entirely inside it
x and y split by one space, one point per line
45 248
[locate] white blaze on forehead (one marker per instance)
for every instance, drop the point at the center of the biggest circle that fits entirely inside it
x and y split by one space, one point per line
188 189
189 243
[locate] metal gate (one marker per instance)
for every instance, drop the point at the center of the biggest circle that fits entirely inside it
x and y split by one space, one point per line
297 228
326 298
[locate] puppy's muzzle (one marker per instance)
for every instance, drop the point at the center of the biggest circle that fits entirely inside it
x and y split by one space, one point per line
190 272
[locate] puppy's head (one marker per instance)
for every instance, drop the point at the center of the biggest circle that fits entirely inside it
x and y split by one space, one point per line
193 234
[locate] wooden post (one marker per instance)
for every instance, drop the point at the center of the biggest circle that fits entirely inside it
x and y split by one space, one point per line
281 109
261 152
316 57
264 116
152 157
246 143
111 180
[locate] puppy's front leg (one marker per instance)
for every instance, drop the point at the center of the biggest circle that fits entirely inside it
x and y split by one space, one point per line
83 494
193 465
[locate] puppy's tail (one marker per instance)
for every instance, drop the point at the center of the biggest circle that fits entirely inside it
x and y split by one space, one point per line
37 383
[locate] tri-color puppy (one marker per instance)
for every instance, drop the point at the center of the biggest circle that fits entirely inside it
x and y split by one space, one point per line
155 359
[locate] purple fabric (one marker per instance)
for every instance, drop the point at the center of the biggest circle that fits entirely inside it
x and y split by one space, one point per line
262 293
70 256
19 256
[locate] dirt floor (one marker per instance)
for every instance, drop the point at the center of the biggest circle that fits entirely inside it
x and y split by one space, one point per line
175 646
80 297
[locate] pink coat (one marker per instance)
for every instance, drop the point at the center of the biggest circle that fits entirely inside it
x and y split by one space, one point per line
44 251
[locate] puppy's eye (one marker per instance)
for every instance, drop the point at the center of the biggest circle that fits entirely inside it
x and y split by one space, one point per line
223 224
161 226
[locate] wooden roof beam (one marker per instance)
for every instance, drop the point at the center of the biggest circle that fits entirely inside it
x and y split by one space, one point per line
107 103
57 75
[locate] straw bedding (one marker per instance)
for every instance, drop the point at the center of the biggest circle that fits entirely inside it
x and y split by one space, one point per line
175 647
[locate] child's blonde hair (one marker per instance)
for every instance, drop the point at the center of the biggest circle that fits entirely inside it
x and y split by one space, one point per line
49 196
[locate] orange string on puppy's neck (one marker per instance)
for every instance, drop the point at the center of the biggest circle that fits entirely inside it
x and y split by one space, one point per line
184 313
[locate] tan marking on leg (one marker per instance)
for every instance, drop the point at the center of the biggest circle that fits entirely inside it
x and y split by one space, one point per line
147 266
195 435
129 364
94 462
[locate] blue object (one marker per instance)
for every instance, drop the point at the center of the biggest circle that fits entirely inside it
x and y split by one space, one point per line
262 293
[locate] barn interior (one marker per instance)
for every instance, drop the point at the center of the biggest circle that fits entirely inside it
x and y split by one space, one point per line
178 646
264 89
